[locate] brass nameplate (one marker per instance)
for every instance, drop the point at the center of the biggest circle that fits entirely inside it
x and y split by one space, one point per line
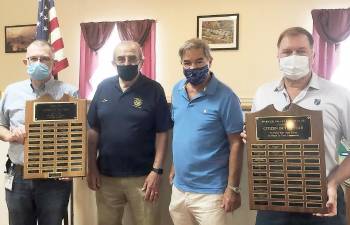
283 128
46 111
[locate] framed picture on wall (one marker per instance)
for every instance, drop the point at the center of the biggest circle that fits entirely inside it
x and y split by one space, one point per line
17 38
220 31
246 104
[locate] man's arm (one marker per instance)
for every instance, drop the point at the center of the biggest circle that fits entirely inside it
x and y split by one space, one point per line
5 134
151 185
15 135
93 173
340 173
161 146
171 174
336 177
231 199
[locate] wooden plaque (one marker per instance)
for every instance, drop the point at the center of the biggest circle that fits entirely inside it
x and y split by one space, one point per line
286 160
56 142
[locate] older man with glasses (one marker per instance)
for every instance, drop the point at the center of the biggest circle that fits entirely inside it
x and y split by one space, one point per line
31 202
129 121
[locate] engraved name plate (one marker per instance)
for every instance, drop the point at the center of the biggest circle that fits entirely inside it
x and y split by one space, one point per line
283 128
46 111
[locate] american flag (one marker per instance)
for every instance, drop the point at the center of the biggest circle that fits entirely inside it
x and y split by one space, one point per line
48 30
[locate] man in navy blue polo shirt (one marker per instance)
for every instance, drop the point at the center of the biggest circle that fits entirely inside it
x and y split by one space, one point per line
207 148
129 119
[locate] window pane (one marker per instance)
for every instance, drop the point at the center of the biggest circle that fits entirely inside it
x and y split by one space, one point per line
105 56
341 75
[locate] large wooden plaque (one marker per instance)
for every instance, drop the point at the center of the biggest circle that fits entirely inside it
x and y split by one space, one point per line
56 142
286 161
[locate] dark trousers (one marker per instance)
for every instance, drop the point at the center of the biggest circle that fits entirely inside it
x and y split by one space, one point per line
44 201
286 218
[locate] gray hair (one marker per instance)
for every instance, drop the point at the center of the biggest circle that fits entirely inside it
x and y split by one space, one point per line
42 43
195 43
132 44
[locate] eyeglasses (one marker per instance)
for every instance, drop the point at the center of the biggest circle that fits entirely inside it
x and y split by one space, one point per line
131 59
43 59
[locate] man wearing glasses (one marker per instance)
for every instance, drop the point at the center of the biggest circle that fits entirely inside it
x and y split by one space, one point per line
207 149
31 202
129 121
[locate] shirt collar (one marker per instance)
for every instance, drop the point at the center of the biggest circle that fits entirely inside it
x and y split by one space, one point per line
313 83
211 86
46 85
137 83
50 82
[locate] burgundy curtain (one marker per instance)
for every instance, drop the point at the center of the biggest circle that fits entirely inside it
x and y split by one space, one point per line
92 38
331 26
149 52
143 32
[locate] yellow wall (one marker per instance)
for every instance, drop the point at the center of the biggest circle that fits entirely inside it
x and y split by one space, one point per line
243 70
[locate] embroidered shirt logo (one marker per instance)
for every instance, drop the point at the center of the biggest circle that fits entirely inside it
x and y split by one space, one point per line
137 103
317 101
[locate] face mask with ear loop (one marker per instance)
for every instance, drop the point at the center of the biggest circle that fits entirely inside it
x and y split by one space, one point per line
127 72
196 76
38 71
294 67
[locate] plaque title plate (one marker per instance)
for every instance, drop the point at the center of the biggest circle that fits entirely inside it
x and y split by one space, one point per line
283 128
44 111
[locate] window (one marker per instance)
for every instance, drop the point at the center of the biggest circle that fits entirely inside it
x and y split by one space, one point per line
90 76
341 74
105 56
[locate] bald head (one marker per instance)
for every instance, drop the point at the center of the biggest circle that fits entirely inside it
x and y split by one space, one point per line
127 52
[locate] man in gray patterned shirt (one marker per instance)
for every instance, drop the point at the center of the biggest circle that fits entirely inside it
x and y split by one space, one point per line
30 201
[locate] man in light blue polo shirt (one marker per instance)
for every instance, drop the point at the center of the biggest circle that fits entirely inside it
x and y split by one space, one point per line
207 148
31 201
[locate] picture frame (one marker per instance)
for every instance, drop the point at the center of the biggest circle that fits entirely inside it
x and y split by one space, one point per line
220 31
246 104
18 37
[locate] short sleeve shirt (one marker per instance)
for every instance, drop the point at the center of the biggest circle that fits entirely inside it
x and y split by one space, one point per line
127 123
200 143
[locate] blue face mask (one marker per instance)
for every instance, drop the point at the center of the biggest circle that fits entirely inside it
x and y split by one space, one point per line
196 76
38 71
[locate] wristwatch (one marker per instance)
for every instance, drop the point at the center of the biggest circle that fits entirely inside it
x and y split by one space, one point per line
158 170
236 190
